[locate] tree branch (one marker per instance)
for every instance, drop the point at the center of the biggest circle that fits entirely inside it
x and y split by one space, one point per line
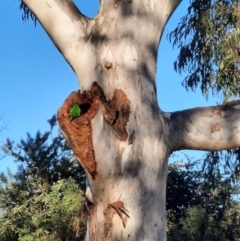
211 129
170 6
155 7
64 23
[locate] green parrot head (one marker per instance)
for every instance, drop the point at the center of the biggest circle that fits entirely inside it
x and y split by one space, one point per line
75 111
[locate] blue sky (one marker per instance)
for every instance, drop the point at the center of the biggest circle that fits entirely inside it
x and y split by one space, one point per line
35 79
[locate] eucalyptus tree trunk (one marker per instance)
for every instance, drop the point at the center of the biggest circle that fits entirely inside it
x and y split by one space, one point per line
122 138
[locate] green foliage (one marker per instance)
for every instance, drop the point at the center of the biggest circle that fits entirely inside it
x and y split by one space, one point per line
54 212
42 201
45 157
205 209
199 225
182 179
222 163
208 38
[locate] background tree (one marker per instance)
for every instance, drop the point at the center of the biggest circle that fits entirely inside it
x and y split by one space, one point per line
45 157
122 138
197 207
43 200
208 42
3 126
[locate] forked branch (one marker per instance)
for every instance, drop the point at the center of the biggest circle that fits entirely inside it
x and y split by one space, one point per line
63 22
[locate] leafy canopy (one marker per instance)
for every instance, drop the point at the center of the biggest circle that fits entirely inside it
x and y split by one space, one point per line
44 156
40 211
197 208
42 200
208 40
26 13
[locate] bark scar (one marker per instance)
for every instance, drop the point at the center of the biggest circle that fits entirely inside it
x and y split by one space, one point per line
115 111
78 132
118 206
131 138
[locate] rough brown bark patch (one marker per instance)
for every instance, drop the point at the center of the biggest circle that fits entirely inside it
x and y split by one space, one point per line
108 212
116 112
78 132
122 212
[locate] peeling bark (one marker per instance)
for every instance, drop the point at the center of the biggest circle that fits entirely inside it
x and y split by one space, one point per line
116 113
122 212
81 143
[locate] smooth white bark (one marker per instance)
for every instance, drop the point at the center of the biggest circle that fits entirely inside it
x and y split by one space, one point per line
211 128
78 38
70 32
